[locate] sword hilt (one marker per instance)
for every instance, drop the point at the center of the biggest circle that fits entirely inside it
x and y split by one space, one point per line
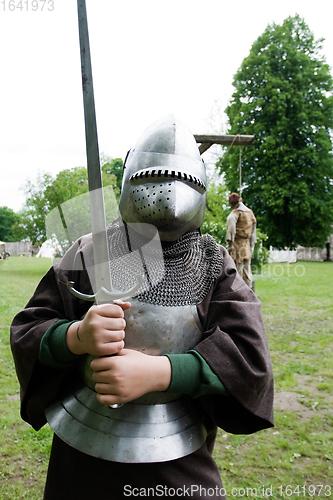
104 295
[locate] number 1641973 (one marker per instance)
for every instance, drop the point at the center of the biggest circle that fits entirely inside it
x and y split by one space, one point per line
307 491
27 5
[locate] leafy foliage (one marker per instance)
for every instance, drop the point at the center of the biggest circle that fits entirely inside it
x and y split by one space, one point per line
7 220
48 193
260 253
217 209
113 166
284 97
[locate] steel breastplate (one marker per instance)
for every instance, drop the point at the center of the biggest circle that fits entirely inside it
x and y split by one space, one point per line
154 428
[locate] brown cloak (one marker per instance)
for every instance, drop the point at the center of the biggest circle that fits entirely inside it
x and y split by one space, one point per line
234 345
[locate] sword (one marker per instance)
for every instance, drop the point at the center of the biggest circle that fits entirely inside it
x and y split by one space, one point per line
104 290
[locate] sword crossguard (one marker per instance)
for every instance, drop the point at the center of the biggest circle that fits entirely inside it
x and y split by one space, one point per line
104 295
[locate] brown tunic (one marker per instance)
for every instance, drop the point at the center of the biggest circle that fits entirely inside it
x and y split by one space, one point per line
234 345
240 228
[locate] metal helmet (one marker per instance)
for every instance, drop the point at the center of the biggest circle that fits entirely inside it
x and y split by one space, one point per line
164 181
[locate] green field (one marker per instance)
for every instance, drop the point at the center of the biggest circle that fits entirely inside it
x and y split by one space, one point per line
292 460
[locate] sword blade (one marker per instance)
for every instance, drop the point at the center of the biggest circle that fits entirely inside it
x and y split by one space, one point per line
97 209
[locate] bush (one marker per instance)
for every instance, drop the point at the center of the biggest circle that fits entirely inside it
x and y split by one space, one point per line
215 229
260 254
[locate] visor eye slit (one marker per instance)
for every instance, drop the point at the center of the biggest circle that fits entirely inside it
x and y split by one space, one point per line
164 173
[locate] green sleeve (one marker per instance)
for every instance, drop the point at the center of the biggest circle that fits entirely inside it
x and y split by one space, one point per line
193 376
190 373
53 349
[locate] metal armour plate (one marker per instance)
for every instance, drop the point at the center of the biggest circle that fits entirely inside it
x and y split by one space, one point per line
154 428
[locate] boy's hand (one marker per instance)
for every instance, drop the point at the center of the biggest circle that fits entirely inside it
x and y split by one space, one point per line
131 374
101 332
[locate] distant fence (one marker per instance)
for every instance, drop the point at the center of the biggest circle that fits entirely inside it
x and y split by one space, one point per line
19 247
311 254
316 254
282 255
301 253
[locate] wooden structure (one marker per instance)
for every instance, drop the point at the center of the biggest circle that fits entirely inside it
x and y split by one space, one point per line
206 141
16 247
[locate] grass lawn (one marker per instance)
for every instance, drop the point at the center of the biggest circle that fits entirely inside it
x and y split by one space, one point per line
23 452
297 303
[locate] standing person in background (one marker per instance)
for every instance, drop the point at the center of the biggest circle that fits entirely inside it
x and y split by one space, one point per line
241 236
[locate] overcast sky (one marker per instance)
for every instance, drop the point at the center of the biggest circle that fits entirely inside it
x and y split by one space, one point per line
149 58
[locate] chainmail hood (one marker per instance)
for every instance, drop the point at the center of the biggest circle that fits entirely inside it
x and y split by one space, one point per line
177 273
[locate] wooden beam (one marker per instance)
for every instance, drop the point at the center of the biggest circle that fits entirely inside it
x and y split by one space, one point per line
204 146
224 140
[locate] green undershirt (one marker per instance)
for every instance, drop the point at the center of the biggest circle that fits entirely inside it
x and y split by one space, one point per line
190 373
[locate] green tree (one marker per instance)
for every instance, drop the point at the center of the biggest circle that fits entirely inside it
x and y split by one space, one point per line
32 217
68 184
217 209
283 95
48 193
7 219
110 167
